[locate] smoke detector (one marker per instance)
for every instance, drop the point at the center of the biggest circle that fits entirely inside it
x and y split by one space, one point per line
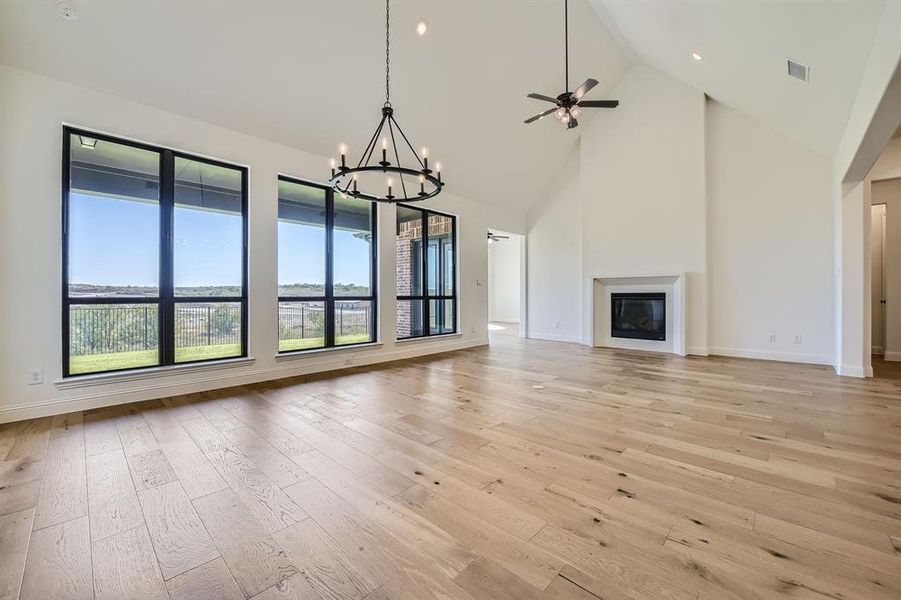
798 71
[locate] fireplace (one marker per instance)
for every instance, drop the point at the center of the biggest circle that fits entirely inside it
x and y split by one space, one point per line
638 315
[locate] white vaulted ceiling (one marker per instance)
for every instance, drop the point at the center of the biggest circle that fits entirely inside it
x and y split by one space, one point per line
311 74
745 46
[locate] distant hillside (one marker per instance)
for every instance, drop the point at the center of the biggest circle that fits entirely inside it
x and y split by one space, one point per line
135 291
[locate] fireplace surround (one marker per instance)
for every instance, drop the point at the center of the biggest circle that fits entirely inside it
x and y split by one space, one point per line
671 286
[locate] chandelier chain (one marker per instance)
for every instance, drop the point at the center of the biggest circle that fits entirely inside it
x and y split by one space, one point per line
387 52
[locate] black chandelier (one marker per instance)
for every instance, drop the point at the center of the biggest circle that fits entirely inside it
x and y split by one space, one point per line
349 180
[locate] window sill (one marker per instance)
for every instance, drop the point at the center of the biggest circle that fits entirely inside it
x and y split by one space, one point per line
78 381
316 351
426 338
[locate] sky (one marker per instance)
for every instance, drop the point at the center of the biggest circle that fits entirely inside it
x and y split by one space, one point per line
116 242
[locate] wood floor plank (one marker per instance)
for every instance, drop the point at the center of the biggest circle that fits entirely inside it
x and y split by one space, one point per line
112 500
327 569
134 433
68 423
31 439
14 535
266 500
179 538
150 469
274 464
15 497
255 560
209 581
100 432
526 470
59 563
125 568
403 570
63 494
195 472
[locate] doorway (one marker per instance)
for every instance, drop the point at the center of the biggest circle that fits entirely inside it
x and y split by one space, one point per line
506 285
885 276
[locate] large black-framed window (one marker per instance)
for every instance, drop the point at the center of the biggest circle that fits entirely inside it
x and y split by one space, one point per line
326 268
426 251
154 269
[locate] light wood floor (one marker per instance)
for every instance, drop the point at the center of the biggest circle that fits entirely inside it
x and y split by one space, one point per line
527 470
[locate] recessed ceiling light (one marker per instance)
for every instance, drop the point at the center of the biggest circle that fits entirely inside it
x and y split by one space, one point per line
422 28
87 142
696 56
66 10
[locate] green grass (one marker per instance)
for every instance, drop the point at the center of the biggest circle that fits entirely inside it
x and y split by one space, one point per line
300 344
308 343
117 361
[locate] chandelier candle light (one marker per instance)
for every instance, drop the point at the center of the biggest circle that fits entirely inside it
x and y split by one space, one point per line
349 179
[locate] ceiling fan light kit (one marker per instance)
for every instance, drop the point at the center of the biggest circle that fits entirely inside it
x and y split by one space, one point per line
424 182
569 105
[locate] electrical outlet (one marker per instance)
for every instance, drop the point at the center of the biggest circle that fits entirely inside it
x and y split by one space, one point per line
796 339
472 329
556 324
35 376
772 337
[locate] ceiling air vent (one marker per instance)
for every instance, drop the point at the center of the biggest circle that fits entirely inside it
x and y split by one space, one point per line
798 71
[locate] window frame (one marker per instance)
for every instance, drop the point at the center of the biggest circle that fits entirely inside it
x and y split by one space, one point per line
166 299
425 297
329 298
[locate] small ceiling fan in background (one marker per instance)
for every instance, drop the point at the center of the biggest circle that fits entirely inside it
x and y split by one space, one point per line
568 105
493 237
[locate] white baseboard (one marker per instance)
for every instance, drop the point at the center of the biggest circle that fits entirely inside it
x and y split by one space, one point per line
854 371
99 397
892 356
812 359
697 351
877 350
555 337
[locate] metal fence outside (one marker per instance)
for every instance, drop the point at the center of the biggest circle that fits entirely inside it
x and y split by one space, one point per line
113 328
303 320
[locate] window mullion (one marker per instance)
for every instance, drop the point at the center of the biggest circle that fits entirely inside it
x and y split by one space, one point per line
329 269
426 308
167 279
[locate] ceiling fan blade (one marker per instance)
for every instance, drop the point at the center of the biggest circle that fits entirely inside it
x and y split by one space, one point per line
540 115
599 103
583 89
542 97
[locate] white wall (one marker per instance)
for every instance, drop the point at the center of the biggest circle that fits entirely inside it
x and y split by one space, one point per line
33 108
770 244
888 193
877 240
873 120
504 277
888 166
643 198
670 183
555 258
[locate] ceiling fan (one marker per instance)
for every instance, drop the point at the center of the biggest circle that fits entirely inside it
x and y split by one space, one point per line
568 105
493 237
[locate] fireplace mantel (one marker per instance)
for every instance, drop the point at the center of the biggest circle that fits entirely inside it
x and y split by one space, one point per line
673 285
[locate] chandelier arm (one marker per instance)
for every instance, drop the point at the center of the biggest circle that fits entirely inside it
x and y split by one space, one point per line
403 186
370 147
409 145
